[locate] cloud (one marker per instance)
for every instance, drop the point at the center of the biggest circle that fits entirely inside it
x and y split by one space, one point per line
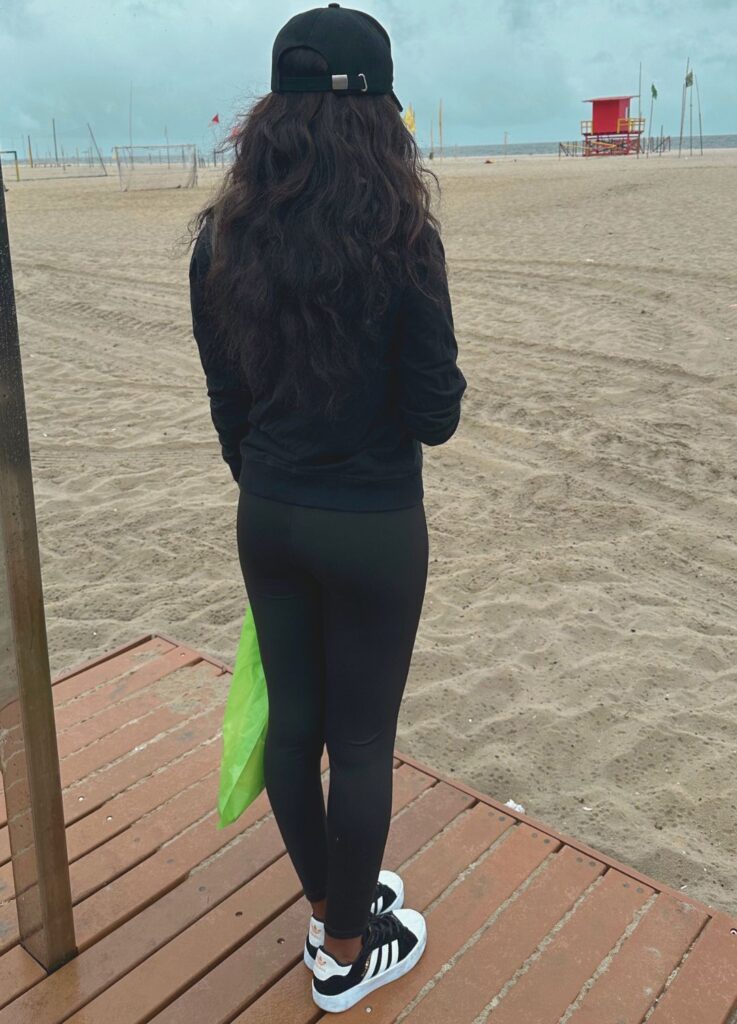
517 65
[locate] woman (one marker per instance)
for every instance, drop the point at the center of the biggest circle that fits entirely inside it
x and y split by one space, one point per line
322 316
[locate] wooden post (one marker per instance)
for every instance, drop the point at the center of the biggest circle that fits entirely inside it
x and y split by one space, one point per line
30 153
29 756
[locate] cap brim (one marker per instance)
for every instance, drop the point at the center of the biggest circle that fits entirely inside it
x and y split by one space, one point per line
397 101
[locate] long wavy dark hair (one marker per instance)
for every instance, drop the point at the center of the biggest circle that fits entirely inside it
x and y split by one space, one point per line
322 212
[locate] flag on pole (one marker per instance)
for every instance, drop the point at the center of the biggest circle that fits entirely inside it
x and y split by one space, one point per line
409 119
689 79
653 91
216 119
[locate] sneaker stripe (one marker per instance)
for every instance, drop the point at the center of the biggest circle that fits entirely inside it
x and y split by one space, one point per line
386 954
379 904
394 952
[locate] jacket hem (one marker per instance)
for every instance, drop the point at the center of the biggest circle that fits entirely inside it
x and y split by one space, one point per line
342 493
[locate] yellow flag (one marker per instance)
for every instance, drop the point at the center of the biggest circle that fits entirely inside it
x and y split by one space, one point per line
409 118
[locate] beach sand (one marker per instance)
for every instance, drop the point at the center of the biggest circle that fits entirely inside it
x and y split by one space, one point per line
578 645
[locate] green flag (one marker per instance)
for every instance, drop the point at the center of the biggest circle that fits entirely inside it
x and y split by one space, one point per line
689 79
654 91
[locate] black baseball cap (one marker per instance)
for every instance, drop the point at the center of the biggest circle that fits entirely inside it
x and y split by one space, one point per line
356 47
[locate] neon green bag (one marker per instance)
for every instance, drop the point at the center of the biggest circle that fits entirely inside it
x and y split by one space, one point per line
244 729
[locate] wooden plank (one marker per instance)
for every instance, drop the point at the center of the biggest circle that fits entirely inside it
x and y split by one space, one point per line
104 961
252 969
455 919
197 953
93 792
429 874
125 809
552 982
133 845
109 780
462 993
114 937
639 971
158 643
120 849
81 687
122 699
705 988
432 812
76 764
18 972
577 844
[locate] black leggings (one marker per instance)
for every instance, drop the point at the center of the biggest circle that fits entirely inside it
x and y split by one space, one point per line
336 599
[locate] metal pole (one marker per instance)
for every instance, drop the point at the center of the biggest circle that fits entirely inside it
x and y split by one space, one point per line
29 756
56 153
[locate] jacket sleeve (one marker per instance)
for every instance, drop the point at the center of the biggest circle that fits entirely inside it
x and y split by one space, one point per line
230 399
431 384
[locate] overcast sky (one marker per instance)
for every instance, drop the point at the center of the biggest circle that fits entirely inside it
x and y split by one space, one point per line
518 65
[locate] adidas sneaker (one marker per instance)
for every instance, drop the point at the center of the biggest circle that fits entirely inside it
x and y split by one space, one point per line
389 896
392 945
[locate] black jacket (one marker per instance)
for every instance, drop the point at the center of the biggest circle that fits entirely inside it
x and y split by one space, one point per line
371 458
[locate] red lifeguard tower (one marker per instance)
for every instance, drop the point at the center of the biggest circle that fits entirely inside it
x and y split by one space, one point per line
611 131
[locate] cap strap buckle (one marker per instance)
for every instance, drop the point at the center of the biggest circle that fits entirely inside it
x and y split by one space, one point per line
343 81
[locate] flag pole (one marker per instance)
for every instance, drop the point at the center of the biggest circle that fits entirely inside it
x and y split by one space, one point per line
639 111
698 100
130 121
683 108
650 121
440 128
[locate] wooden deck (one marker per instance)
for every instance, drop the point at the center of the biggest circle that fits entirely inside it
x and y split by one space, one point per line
178 922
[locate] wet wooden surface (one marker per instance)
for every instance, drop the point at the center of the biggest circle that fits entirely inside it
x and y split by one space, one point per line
179 922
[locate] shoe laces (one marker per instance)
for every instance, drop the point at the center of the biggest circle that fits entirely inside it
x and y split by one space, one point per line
383 890
382 928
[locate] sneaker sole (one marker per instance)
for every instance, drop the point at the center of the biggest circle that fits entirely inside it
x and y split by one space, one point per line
396 905
337 1004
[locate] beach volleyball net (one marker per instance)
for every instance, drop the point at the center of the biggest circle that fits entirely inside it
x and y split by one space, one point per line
146 167
10 165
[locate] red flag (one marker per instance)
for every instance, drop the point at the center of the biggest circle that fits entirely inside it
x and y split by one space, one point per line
216 119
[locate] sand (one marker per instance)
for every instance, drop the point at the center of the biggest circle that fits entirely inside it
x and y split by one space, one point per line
578 646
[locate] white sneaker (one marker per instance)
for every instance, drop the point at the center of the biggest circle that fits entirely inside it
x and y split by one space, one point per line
393 944
389 896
